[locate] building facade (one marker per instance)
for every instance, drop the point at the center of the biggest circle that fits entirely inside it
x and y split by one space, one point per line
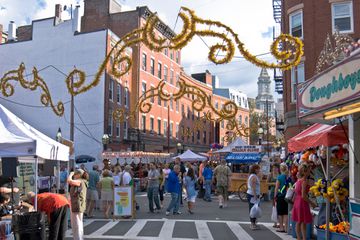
3 35
264 99
55 48
311 21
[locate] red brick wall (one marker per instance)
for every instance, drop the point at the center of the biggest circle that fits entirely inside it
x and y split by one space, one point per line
317 23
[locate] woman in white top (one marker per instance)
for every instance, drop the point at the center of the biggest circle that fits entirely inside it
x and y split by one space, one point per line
253 192
116 176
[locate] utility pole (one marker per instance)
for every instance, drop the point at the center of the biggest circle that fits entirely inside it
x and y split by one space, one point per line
168 129
72 119
267 128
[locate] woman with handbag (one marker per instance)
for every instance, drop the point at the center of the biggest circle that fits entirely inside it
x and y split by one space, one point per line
253 192
281 204
301 211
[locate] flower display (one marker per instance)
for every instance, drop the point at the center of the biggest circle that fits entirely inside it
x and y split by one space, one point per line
342 227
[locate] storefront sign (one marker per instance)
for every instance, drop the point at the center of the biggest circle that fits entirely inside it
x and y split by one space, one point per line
246 149
337 86
123 201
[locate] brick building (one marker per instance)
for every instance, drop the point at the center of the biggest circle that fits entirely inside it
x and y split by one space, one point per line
311 21
149 132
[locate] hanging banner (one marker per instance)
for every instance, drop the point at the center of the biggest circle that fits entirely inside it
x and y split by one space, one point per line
123 201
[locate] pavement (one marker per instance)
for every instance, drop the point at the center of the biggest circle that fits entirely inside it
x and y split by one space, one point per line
209 222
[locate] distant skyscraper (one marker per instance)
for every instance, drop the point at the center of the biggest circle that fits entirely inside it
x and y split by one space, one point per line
264 99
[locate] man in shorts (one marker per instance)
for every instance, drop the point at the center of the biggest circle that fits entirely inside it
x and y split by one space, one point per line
222 174
92 192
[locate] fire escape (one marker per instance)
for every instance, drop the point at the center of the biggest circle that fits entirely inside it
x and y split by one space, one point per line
278 76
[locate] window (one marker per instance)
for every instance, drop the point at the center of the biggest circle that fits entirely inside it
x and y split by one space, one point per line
111 89
342 17
171 54
182 133
110 123
246 121
143 66
171 129
166 51
172 76
126 99
296 24
188 112
118 95
177 105
222 124
188 135
177 130
198 135
118 130
171 104
125 130
143 89
240 120
159 127
151 125
192 115
159 101
297 76
204 137
177 80
192 137
152 66
165 104
165 128
143 123
177 57
152 99
159 70
165 73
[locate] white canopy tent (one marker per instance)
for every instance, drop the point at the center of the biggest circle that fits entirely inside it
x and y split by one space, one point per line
237 142
190 156
18 139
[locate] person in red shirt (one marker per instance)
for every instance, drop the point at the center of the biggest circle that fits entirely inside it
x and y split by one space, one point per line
56 207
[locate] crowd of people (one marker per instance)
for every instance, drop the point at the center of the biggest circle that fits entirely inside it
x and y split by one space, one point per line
91 190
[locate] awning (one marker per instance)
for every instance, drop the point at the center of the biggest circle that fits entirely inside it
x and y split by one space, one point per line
318 135
244 158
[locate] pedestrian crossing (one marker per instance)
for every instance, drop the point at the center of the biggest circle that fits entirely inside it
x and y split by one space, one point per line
161 229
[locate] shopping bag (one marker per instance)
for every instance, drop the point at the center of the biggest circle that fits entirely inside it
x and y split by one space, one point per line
274 215
255 211
290 194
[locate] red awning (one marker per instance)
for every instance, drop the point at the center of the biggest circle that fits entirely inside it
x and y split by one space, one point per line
317 135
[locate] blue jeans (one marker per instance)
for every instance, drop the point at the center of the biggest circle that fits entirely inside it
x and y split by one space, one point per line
174 204
207 189
153 196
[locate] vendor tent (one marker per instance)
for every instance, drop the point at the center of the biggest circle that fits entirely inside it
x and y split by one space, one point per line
236 143
318 135
190 156
19 139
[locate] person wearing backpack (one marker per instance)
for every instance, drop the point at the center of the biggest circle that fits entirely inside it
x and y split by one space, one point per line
281 204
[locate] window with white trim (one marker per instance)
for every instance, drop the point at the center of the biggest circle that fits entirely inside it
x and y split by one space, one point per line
177 130
143 89
111 89
118 95
143 66
342 17
171 129
171 76
159 70
159 127
165 73
125 130
110 123
126 98
152 66
151 124
165 128
296 24
143 123
297 76
118 130
152 92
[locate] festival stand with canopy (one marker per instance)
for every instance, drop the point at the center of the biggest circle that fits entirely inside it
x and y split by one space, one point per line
237 142
318 135
321 135
190 156
20 140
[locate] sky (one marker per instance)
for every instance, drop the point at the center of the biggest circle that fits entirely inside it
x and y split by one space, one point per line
251 20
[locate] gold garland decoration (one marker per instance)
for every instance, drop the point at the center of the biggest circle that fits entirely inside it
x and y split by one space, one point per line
7 89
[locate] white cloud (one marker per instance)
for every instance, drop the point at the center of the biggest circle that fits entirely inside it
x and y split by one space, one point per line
249 19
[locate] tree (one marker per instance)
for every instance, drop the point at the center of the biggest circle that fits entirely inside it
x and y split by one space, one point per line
259 119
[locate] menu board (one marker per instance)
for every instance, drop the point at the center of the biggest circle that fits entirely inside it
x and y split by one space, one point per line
123 201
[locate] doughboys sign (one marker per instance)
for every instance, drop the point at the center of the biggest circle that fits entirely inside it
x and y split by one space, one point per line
337 86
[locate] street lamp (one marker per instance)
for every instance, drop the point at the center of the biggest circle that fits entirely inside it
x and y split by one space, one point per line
58 135
260 132
105 141
179 147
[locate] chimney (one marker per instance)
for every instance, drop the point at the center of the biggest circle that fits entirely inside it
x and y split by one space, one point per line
12 31
58 11
76 21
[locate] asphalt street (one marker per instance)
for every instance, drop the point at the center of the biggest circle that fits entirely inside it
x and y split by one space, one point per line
208 222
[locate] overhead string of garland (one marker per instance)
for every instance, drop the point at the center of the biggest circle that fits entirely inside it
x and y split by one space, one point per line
286 49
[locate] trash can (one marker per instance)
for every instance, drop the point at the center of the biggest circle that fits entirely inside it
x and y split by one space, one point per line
29 226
